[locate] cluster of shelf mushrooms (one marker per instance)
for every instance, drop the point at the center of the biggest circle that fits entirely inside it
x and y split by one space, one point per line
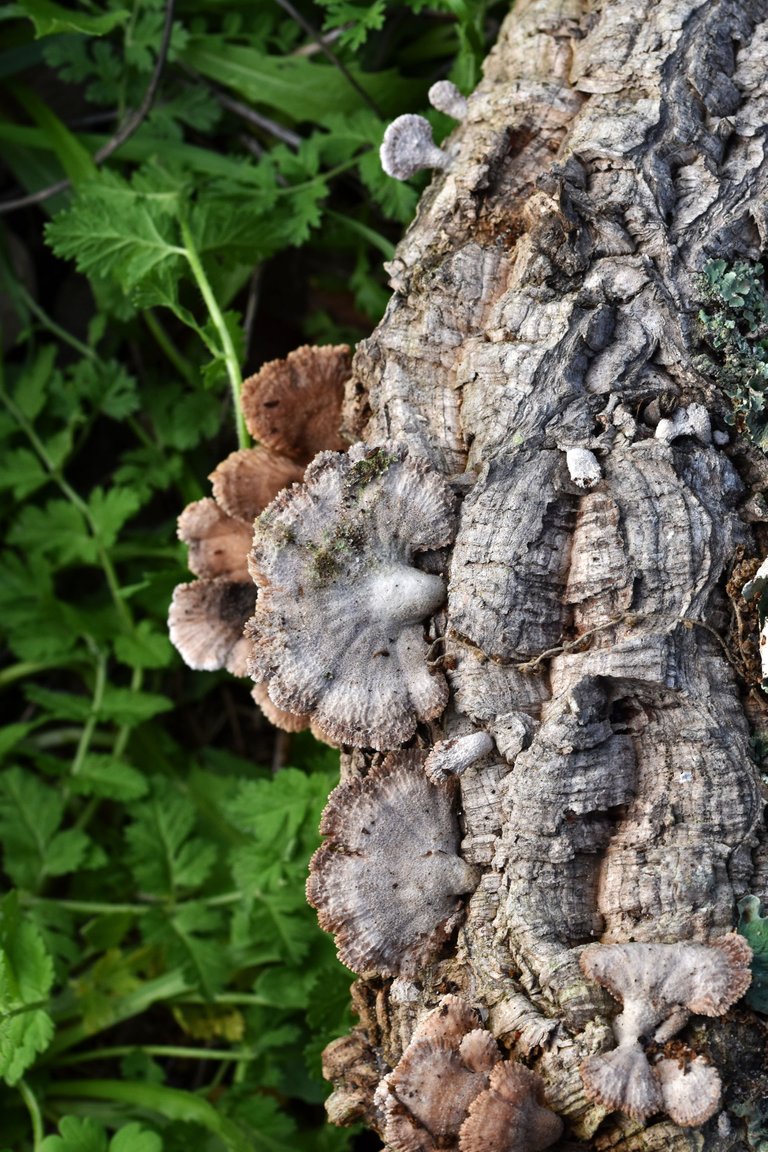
348 553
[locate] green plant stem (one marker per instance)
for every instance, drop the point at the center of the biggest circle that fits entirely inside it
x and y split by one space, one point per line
98 908
227 347
384 246
180 363
137 679
89 727
26 668
109 572
51 325
168 1050
35 1115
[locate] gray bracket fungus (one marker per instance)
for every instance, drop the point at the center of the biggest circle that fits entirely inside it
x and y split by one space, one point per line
452 1091
659 986
388 881
338 631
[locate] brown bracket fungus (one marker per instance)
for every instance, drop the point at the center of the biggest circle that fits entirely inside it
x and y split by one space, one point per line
408 146
338 631
510 1116
293 407
660 985
388 881
452 1091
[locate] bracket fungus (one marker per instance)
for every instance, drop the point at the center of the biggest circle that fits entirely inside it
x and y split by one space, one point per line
408 146
660 985
293 407
451 1090
338 631
388 881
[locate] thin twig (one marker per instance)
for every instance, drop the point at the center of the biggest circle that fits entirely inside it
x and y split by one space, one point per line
126 129
310 31
292 139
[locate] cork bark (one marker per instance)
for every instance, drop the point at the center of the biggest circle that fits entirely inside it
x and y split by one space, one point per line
546 298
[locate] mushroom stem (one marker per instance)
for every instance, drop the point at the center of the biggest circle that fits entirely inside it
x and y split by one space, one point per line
404 595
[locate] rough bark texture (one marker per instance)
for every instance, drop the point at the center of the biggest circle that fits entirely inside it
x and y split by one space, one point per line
546 298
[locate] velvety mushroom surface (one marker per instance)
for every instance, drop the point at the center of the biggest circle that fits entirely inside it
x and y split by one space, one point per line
338 631
388 881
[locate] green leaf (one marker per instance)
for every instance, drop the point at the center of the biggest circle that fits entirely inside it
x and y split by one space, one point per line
22 473
113 231
163 854
31 814
754 928
58 529
305 90
128 706
85 1135
145 647
102 775
191 937
50 18
172 1103
110 510
73 157
76 1135
26 978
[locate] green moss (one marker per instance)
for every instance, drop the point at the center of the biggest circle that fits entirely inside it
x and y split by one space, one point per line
734 324
363 471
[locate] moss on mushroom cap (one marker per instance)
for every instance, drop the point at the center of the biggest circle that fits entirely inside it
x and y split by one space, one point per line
338 630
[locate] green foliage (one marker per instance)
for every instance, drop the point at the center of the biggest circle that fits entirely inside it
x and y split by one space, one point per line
735 325
163 983
754 928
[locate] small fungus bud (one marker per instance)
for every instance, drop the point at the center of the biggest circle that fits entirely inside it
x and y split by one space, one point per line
408 146
583 467
452 757
446 98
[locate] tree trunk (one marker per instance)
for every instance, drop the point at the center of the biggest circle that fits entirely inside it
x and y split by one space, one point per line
546 298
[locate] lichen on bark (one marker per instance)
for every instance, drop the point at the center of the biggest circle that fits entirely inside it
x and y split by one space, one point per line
545 299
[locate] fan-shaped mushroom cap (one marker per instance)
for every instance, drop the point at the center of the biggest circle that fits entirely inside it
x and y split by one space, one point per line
205 623
288 721
623 1081
432 1090
509 1115
408 146
659 984
387 881
426 1098
293 405
338 633
691 1089
217 545
249 479
705 978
